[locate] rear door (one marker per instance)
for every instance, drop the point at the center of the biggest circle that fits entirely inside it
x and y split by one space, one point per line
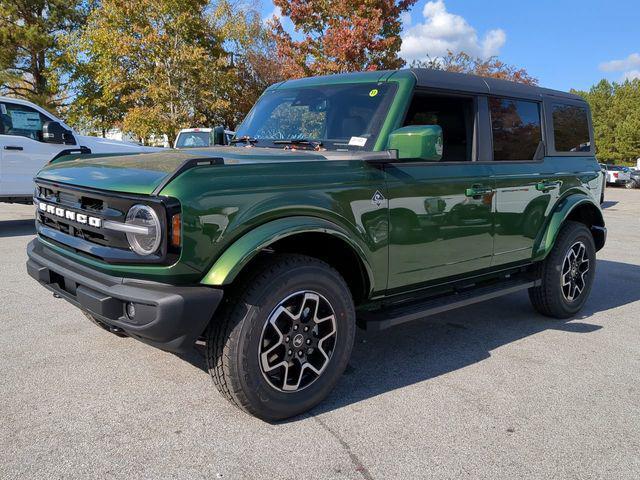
440 213
525 188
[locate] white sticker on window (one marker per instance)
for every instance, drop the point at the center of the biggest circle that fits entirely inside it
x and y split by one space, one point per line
358 141
22 120
3 109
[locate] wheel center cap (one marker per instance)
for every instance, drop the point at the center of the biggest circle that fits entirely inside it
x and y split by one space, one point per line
298 340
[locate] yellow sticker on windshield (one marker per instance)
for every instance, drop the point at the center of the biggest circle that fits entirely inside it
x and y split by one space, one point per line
373 92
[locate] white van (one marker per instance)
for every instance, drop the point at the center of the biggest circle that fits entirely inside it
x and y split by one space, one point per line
30 137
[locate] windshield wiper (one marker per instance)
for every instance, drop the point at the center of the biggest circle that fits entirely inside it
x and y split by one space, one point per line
244 139
298 141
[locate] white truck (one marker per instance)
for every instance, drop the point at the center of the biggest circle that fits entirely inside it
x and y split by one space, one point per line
202 137
30 137
617 175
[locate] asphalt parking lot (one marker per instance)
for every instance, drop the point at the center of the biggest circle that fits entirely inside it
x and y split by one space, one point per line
490 391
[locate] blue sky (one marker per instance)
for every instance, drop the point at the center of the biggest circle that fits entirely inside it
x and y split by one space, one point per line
564 43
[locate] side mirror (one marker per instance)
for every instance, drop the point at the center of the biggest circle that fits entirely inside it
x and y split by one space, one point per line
53 132
218 136
422 142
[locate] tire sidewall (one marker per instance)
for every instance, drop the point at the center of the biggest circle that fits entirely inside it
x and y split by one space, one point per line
276 404
554 275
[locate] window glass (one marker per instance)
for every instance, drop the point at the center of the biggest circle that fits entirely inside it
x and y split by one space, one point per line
516 128
454 115
571 128
193 139
341 117
21 120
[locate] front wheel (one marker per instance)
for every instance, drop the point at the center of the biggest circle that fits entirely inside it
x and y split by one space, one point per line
566 274
631 184
284 339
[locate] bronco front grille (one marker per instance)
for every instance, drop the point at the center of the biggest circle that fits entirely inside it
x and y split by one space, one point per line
65 206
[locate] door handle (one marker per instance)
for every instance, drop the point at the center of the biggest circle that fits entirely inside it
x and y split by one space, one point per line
477 190
11 147
545 185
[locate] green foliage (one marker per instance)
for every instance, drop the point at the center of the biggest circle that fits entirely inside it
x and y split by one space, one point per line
615 108
152 67
31 62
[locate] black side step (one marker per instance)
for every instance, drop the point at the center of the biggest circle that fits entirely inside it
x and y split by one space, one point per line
390 317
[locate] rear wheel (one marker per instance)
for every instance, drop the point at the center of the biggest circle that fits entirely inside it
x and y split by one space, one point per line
567 273
284 340
631 184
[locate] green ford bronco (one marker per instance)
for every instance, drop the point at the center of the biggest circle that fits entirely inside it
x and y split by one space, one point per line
367 199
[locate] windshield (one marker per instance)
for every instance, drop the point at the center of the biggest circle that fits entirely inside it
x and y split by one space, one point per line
341 117
193 139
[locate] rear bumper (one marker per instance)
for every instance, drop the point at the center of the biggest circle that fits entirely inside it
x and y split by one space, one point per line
166 316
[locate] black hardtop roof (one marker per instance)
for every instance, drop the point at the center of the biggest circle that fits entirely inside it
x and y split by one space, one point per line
438 79
474 84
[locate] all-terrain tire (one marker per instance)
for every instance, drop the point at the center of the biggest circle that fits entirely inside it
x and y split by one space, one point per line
236 336
551 298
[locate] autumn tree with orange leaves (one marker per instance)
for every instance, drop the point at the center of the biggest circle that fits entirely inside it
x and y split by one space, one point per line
337 37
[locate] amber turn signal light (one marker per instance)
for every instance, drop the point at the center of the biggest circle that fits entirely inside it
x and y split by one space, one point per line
176 230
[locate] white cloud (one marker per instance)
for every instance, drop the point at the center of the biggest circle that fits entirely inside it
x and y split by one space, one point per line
443 31
631 75
630 67
629 63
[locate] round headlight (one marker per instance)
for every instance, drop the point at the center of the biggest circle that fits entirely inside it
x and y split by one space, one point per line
148 242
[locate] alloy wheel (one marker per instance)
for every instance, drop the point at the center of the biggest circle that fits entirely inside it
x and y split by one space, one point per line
297 341
575 269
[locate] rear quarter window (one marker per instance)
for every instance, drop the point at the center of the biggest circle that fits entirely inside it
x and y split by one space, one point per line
571 128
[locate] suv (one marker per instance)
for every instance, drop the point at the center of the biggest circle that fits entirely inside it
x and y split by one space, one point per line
366 199
30 137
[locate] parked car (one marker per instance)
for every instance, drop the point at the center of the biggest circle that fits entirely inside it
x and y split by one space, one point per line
371 198
617 175
30 137
635 178
200 137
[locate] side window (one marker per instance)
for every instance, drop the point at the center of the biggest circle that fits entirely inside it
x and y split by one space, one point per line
454 115
571 128
22 121
516 128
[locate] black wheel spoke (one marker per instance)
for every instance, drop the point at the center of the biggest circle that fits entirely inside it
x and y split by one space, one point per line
297 341
574 272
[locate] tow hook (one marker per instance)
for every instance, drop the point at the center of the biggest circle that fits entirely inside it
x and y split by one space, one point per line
117 331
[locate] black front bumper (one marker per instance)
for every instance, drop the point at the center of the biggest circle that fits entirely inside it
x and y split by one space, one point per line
166 316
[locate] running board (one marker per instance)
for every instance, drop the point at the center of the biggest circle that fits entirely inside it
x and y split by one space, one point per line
390 317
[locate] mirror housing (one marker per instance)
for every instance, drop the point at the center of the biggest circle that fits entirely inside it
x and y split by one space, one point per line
422 142
219 136
53 132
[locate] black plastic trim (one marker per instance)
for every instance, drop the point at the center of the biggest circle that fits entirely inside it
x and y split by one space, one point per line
184 166
169 317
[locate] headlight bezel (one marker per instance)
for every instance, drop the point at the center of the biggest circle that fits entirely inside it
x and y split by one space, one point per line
132 238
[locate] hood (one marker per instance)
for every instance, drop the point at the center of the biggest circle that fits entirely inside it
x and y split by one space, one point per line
143 173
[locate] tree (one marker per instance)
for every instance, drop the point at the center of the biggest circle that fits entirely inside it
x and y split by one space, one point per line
251 67
492 67
615 109
30 65
156 58
337 37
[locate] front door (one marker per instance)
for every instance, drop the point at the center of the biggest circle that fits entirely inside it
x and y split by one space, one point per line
23 151
440 213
